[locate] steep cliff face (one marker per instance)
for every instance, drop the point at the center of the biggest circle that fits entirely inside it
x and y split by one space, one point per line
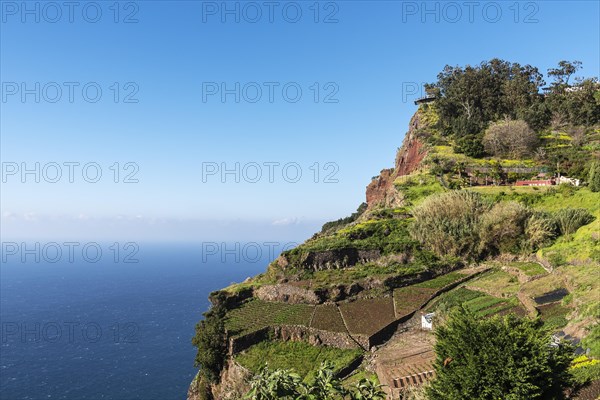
381 190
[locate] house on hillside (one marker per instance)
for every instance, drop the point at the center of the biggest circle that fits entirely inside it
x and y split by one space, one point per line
536 182
568 181
427 321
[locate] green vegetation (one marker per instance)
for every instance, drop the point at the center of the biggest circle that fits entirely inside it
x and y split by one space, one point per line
554 315
441 281
211 344
466 224
448 223
480 304
303 358
497 358
594 177
416 188
257 314
334 225
327 277
585 369
571 219
287 385
528 268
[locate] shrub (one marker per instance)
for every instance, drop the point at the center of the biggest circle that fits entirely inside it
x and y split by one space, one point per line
211 344
287 385
540 230
510 138
497 358
594 177
448 223
569 220
503 227
585 369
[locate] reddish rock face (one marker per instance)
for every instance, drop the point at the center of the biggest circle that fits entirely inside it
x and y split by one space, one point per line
379 187
409 157
381 190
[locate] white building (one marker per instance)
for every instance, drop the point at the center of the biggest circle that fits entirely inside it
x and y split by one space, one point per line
570 181
427 321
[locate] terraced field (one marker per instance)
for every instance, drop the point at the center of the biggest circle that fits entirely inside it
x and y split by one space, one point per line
529 268
368 316
257 314
411 298
327 317
481 304
441 281
301 357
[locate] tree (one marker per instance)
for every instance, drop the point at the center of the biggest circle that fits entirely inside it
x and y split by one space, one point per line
594 177
211 344
510 138
498 358
565 70
503 228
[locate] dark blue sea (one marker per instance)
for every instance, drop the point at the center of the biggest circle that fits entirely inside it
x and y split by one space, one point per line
77 329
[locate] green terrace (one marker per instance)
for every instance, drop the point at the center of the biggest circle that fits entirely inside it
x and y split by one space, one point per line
303 358
481 304
365 316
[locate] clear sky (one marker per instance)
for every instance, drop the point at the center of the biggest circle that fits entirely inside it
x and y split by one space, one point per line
190 88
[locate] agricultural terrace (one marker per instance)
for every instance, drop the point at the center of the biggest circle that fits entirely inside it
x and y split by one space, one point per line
327 317
257 314
368 316
301 357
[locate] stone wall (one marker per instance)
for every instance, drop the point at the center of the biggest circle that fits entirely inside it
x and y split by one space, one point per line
285 293
242 342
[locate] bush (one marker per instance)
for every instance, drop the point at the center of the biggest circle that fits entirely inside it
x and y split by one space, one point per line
211 344
585 369
503 228
287 385
448 223
497 358
540 230
510 138
569 220
594 177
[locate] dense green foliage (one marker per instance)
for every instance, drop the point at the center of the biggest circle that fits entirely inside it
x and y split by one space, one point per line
211 344
571 219
333 225
448 223
472 97
304 358
497 358
594 177
287 385
466 224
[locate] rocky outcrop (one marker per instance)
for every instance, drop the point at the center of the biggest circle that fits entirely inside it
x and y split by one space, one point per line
234 382
381 192
328 259
287 294
338 258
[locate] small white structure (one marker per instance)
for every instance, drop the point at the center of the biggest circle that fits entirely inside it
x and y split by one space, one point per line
570 181
427 321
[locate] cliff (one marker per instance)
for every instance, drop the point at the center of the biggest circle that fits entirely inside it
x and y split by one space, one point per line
381 190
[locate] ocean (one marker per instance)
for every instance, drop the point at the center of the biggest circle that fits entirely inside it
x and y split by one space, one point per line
77 329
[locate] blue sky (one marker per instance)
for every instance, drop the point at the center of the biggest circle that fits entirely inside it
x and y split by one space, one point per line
364 58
